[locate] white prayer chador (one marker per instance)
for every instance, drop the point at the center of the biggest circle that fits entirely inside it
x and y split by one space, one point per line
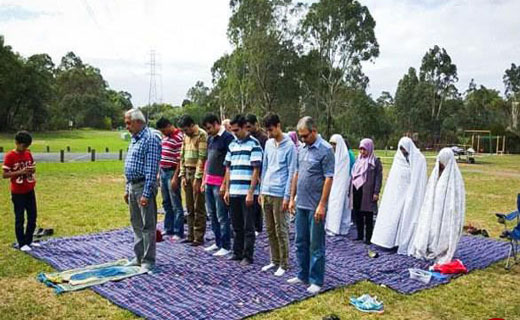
441 220
338 213
402 199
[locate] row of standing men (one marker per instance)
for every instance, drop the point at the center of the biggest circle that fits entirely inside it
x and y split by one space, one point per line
235 171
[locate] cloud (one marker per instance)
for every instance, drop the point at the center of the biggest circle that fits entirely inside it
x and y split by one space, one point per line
117 36
481 36
15 12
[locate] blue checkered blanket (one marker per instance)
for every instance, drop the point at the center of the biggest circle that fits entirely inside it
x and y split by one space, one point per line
192 284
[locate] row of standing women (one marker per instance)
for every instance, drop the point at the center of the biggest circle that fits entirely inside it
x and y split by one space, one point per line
420 217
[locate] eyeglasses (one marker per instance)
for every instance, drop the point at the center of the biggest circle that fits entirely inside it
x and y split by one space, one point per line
304 136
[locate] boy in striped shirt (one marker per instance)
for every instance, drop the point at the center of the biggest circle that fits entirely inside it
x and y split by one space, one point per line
169 177
243 162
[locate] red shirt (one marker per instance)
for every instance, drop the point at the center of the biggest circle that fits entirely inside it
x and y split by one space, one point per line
14 161
171 149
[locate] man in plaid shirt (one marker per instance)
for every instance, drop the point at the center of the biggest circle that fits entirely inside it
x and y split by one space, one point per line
141 167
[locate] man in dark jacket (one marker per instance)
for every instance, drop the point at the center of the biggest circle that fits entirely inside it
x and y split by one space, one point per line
255 131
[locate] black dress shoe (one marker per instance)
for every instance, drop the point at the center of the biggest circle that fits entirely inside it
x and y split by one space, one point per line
195 244
38 232
234 257
186 241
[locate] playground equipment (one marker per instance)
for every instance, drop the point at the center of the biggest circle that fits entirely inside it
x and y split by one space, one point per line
482 142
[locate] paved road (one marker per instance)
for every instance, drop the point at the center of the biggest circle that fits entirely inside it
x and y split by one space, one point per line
72 157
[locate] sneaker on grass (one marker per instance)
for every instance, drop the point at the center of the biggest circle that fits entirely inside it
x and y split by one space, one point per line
25 248
360 299
366 303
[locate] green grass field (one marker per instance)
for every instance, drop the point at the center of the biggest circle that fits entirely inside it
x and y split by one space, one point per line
79 198
77 140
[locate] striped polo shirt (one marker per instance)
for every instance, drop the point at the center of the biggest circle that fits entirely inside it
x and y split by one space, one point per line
171 149
242 157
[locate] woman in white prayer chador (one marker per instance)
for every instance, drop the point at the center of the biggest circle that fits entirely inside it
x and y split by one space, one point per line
441 220
402 198
338 212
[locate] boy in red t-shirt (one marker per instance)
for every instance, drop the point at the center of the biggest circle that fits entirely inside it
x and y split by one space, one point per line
19 166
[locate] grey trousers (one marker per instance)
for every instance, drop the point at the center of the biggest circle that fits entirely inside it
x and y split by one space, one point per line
144 220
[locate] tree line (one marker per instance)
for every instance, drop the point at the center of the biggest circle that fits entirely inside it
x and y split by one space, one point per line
288 57
298 59
35 94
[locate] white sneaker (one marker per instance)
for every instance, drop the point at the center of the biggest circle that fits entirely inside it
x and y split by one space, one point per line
313 289
268 267
280 272
213 247
36 245
257 233
176 238
25 248
222 252
294 280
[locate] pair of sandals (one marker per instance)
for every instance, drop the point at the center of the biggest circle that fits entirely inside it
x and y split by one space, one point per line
475 231
41 232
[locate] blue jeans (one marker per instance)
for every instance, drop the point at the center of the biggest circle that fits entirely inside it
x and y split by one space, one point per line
172 204
310 247
219 215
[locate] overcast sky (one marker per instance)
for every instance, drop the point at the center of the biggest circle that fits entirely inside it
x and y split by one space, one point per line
117 36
